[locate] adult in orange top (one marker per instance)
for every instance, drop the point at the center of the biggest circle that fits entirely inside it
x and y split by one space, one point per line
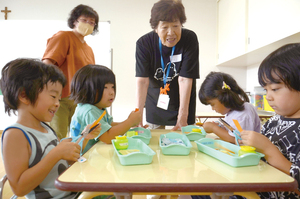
69 51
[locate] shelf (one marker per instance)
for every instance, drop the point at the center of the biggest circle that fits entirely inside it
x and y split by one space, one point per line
265 113
258 55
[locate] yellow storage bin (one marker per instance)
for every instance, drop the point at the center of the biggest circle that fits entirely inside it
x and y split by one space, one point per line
267 107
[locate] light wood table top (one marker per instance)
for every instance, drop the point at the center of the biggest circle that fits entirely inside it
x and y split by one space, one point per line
197 172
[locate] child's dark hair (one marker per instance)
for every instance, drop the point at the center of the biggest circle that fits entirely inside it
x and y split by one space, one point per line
26 75
228 93
86 11
282 65
88 83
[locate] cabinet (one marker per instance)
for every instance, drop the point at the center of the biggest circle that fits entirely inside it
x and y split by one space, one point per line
231 29
268 25
271 20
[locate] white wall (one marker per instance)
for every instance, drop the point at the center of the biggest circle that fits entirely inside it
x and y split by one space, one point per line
252 80
129 20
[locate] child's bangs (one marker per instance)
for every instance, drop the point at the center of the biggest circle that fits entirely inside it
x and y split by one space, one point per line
269 75
109 78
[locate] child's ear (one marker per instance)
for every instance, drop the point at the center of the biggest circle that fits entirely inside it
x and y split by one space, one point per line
23 98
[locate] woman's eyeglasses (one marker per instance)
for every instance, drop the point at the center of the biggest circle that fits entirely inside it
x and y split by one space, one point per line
92 23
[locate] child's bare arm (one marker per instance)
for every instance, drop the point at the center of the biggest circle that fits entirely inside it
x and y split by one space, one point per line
265 146
16 154
133 119
115 123
212 127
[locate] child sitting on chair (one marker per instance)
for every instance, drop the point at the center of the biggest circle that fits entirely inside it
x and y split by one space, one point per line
32 154
225 96
279 138
93 88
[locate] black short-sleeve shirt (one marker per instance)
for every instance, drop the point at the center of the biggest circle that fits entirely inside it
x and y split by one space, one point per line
185 63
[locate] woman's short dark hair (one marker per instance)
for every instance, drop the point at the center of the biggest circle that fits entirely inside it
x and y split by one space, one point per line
211 88
88 83
167 10
86 11
282 65
29 76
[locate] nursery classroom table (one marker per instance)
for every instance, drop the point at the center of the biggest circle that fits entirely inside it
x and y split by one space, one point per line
206 115
172 175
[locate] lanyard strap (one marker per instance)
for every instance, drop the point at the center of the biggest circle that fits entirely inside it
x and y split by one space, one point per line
163 64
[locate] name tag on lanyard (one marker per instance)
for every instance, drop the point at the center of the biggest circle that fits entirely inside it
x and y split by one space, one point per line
163 98
163 101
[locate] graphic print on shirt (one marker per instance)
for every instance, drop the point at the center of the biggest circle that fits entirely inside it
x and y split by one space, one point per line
159 74
39 191
284 134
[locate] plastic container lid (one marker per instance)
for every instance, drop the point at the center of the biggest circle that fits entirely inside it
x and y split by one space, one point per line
121 137
246 149
196 130
249 149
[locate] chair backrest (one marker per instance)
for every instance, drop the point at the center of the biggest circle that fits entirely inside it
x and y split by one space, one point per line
2 182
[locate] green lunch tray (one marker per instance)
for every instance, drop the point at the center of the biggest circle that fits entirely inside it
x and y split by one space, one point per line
144 156
214 148
145 136
193 135
175 149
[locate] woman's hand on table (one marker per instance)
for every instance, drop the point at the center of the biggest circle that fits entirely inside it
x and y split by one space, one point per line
143 126
181 122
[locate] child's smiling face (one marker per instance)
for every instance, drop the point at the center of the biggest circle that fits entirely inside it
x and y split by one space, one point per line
108 96
283 100
47 102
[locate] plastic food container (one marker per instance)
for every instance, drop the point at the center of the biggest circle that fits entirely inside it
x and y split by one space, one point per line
193 135
121 142
142 134
227 152
137 152
175 149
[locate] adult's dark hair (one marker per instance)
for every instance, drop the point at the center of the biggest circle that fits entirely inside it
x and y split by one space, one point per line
29 76
88 83
282 65
211 88
167 10
86 11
